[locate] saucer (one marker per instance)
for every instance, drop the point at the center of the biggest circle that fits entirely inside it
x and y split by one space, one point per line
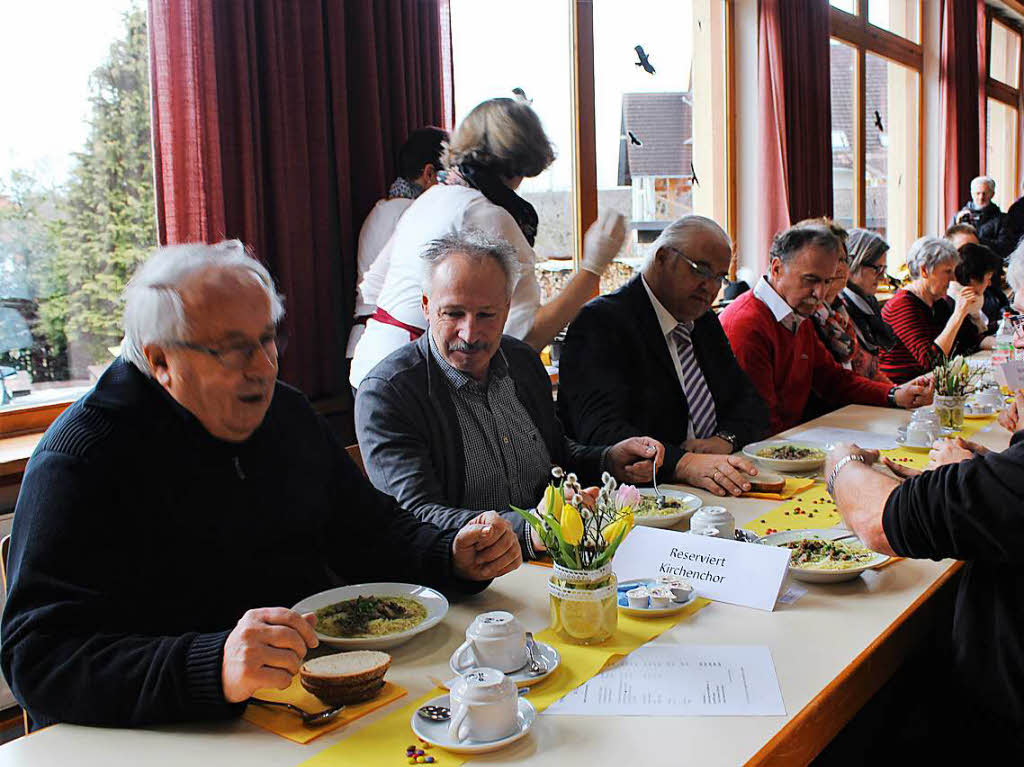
647 612
902 442
436 733
545 653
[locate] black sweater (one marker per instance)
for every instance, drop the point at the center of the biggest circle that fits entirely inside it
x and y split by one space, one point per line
974 511
139 540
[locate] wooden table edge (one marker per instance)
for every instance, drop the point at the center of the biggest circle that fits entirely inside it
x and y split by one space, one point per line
817 723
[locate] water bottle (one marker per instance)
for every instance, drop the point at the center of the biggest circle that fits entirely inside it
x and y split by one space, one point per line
1003 349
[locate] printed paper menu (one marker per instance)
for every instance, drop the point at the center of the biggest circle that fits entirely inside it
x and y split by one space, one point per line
681 680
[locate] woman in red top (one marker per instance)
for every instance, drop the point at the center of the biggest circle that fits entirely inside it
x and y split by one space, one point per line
926 326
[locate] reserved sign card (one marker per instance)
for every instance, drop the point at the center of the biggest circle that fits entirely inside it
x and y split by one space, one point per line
1010 374
726 571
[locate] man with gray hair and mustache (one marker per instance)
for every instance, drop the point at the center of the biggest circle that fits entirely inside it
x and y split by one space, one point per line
462 420
169 517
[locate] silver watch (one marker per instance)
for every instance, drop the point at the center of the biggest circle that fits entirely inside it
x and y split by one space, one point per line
830 483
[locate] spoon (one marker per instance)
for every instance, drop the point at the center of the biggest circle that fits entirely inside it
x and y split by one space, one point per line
315 719
659 500
536 667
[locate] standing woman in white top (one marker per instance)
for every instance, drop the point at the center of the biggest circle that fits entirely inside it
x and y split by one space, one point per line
497 145
419 161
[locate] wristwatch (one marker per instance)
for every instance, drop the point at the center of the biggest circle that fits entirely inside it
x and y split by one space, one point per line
728 437
891 396
830 483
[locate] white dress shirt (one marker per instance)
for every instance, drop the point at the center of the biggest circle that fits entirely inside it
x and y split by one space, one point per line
668 323
782 311
438 211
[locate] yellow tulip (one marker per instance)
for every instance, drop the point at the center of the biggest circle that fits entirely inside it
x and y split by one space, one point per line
623 524
553 500
572 525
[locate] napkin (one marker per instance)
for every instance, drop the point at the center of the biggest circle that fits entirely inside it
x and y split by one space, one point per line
288 725
793 486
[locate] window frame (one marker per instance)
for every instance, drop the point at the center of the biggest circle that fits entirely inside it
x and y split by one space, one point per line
584 146
1000 91
864 37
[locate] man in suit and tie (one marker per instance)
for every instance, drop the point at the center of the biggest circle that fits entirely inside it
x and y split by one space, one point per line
652 359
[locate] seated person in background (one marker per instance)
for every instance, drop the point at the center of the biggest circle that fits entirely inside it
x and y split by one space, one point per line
924 324
419 160
781 353
832 322
983 214
966 508
868 262
167 514
651 358
463 419
978 265
996 301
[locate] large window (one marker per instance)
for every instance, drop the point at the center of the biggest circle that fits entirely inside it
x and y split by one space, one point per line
659 144
876 118
1003 136
76 202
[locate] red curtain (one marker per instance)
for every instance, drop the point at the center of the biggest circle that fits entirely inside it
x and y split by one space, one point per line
796 117
278 123
962 64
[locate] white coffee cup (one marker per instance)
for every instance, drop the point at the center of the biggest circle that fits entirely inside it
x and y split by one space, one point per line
496 640
713 518
920 435
484 704
925 417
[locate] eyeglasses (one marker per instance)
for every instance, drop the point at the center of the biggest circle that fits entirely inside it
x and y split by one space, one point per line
700 270
878 269
239 356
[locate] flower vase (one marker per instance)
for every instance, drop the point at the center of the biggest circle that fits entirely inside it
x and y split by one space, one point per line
583 604
950 409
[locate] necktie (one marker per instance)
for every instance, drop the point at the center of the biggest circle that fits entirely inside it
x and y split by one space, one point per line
698 395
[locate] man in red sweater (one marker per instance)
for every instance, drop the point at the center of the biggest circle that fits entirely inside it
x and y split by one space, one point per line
781 353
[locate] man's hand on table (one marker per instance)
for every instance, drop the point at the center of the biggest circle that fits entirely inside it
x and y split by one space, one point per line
714 445
632 460
947 451
486 547
719 474
265 649
843 449
916 393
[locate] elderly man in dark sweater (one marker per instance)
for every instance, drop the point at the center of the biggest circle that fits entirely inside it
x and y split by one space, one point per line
463 420
168 517
967 507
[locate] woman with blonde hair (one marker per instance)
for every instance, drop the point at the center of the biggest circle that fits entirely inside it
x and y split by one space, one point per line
497 145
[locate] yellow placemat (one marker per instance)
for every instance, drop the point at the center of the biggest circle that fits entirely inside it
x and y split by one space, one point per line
288 725
918 459
384 741
811 509
794 486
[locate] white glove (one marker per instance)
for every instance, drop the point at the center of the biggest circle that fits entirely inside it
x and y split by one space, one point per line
602 241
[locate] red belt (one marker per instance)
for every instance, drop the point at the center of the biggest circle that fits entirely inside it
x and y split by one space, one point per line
383 317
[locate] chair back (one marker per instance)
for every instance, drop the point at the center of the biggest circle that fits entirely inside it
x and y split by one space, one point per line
357 457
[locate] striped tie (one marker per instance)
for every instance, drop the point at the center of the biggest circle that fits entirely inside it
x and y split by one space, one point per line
698 395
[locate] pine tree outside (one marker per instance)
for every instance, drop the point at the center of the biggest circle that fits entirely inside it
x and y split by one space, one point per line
67 250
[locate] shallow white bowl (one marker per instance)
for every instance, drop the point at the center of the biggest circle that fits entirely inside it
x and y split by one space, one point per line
434 601
778 464
821 576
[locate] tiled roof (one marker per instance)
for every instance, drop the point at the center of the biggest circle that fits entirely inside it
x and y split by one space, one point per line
664 124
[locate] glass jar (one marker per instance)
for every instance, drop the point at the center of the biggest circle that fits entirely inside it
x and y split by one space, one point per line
583 604
950 409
